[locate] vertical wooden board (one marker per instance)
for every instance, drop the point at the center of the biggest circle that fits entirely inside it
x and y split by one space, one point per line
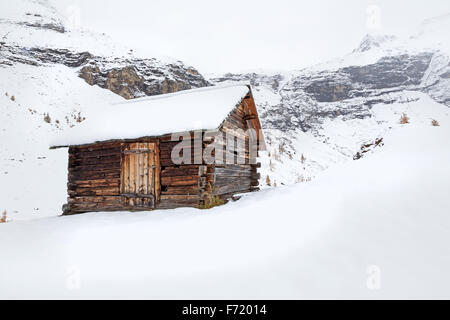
122 171
140 169
151 164
157 172
139 174
145 169
125 174
132 173
149 173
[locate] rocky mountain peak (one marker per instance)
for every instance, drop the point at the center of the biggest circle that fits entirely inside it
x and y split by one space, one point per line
371 41
35 34
38 14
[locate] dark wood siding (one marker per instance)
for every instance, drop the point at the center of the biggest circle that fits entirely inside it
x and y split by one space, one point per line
94 178
180 183
242 176
96 170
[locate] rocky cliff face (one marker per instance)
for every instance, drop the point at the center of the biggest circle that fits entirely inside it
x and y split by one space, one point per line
127 77
34 33
141 77
308 97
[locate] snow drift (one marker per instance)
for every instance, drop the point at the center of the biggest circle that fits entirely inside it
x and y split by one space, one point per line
386 212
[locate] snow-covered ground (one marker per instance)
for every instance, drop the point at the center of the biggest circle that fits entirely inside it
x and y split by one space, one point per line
339 139
33 178
372 228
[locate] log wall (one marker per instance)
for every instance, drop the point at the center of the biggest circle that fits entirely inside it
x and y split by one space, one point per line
95 171
94 178
242 176
179 183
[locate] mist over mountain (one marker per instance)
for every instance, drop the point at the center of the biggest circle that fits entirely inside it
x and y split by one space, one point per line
363 94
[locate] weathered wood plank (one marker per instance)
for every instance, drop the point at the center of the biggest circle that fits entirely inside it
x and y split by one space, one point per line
94 191
179 180
180 197
94 183
188 170
157 171
95 199
96 153
93 175
245 172
94 161
167 190
93 167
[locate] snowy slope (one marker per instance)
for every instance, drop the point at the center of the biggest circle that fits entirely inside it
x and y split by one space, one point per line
35 23
321 115
52 75
33 178
373 228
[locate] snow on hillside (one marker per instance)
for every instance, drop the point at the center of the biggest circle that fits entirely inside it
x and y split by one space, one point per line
48 84
383 216
35 23
319 116
339 139
431 33
323 238
38 103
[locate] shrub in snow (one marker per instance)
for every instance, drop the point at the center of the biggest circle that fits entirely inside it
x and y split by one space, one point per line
303 159
404 119
301 178
435 123
47 118
212 202
3 218
78 118
281 148
268 180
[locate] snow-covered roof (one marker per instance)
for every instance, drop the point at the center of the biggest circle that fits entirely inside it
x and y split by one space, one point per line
195 109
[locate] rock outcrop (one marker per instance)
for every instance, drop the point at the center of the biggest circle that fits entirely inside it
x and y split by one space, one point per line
141 77
127 77
307 98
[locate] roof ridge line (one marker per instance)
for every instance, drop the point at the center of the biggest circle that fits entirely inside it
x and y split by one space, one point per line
183 92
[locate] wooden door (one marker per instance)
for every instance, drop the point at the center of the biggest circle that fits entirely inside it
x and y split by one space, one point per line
140 174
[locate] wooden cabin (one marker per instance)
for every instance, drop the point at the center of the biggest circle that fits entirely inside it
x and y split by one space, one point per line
121 158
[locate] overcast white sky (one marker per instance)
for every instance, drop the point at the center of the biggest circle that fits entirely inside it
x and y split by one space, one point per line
237 35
